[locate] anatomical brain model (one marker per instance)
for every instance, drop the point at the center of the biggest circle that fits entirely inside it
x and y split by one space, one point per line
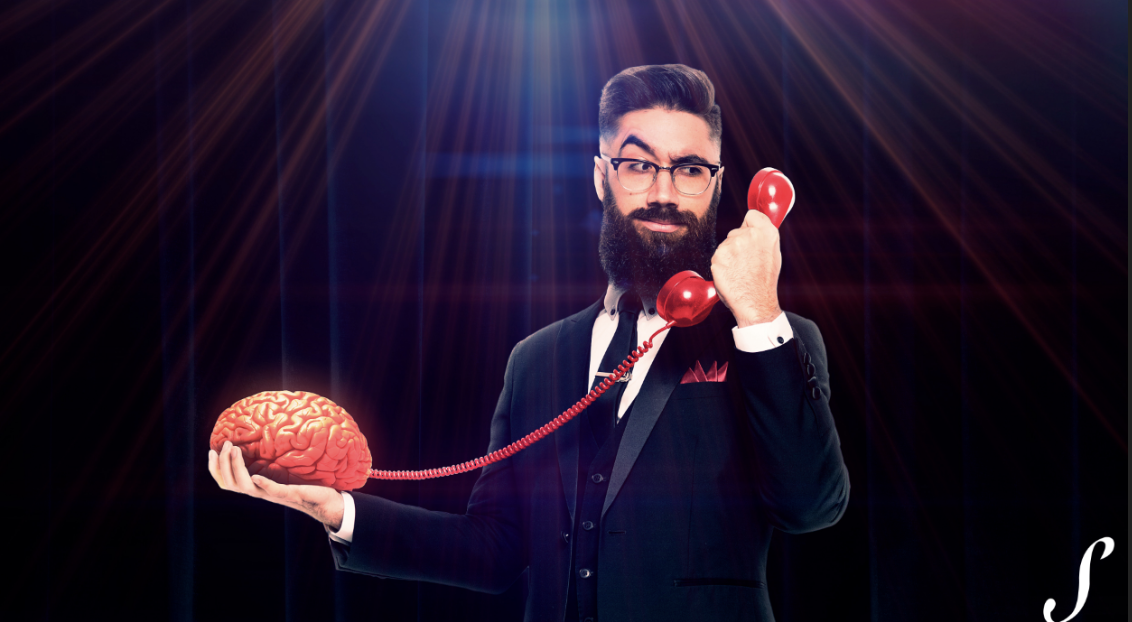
296 437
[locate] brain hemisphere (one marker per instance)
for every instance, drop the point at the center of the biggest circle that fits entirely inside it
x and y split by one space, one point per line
296 437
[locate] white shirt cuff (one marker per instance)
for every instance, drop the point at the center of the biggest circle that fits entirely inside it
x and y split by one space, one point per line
765 336
345 533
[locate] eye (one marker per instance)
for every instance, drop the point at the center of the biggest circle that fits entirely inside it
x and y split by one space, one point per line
639 167
691 171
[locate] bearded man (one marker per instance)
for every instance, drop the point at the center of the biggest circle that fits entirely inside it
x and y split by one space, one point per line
658 501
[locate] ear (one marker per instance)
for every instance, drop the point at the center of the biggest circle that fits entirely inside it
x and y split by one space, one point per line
599 178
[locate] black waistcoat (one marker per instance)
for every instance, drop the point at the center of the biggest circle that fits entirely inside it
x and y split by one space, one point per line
594 467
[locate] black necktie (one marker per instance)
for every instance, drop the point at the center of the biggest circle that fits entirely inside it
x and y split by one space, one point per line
603 411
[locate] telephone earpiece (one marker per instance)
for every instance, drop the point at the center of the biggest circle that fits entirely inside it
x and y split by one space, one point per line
772 194
686 299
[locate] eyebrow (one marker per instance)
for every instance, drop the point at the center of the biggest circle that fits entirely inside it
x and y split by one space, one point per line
632 139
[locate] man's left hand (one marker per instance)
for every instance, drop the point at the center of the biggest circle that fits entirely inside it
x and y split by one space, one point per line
745 269
319 502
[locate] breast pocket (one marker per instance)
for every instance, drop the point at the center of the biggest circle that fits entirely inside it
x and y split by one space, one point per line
697 390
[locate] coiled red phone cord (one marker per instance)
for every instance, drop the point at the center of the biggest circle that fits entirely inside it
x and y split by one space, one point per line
533 437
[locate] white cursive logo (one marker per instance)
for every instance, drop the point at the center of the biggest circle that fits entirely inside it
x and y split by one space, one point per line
1083 580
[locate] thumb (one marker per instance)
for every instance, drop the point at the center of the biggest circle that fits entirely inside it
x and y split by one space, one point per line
753 217
272 489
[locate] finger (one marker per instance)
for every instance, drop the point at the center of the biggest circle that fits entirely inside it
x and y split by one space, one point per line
272 488
755 218
240 473
725 250
732 239
214 467
226 481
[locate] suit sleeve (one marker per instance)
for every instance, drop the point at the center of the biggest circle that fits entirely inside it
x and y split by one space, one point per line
801 475
480 550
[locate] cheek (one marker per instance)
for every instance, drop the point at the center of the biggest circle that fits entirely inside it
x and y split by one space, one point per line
699 207
627 203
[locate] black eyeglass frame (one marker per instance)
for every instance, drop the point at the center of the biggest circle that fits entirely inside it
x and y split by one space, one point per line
616 162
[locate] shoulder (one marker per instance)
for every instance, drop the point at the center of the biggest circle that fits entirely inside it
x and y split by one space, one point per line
540 340
546 338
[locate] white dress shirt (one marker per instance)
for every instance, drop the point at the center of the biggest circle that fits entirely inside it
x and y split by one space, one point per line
754 338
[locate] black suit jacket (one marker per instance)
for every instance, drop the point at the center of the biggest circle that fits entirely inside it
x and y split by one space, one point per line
704 473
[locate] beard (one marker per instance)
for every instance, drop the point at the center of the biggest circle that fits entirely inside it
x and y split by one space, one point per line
645 260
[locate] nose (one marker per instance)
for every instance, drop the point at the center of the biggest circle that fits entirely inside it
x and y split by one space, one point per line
663 192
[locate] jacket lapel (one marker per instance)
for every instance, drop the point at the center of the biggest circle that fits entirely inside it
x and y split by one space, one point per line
680 346
574 347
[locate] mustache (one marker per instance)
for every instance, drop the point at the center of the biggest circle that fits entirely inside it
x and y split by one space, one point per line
665 213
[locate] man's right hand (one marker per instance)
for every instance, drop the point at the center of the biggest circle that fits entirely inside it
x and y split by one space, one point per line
321 503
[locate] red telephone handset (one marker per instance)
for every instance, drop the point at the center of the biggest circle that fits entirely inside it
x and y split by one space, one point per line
686 299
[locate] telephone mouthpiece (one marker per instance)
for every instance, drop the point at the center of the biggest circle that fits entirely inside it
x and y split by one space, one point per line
686 299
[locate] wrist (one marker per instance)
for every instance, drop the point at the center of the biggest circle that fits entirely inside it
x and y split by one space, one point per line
750 317
331 510
335 511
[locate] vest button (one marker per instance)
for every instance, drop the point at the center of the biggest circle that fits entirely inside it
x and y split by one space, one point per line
597 478
565 536
588 525
585 573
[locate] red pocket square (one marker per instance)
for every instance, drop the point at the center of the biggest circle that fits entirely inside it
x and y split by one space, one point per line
697 374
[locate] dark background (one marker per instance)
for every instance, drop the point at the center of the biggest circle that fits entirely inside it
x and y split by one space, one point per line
374 201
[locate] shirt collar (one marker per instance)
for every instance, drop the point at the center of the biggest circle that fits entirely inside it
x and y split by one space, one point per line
613 296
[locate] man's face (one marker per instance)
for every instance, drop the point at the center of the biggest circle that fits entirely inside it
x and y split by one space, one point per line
650 235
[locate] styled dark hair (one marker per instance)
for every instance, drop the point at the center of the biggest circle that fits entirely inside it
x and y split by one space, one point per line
668 87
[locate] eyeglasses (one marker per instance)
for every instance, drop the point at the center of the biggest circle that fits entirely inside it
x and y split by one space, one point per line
639 175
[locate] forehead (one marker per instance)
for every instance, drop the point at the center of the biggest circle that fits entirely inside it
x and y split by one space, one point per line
671 134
